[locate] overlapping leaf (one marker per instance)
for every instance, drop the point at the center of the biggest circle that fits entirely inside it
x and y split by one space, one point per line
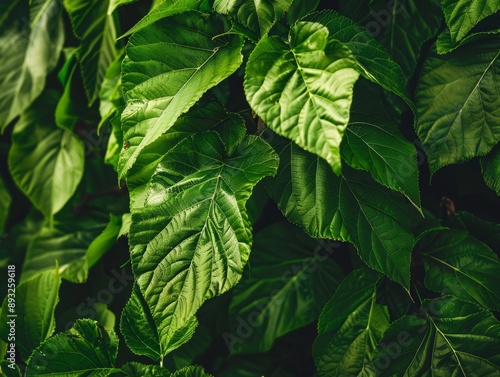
96 28
192 238
165 9
462 15
191 53
374 62
452 338
134 369
29 53
35 302
256 16
285 291
303 90
378 147
458 264
351 208
458 105
46 162
97 350
350 327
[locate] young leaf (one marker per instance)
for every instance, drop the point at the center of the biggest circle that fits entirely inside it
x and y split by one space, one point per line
377 146
458 264
33 313
191 371
350 327
374 62
490 167
96 348
196 206
96 29
5 201
284 292
46 162
193 56
165 9
256 16
30 50
452 338
350 208
458 106
462 15
303 90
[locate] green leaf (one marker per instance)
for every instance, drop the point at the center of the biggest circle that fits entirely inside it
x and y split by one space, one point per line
461 15
377 146
486 231
134 369
191 371
445 44
5 201
373 61
196 205
404 28
350 208
457 104
115 4
46 162
283 293
193 56
96 348
256 16
104 241
111 102
9 370
96 29
490 167
32 315
303 91
458 264
138 327
28 53
350 327
299 9
165 9
452 338
207 114
66 243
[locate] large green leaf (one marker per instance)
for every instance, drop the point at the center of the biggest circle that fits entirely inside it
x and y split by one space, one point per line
350 327
28 53
458 264
191 371
96 28
486 231
66 243
45 162
5 201
32 315
96 349
303 90
134 369
285 290
458 105
452 338
378 147
256 16
196 207
194 55
490 167
207 114
351 208
462 15
445 44
373 60
165 9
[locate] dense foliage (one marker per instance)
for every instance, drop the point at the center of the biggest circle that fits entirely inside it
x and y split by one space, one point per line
250 188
